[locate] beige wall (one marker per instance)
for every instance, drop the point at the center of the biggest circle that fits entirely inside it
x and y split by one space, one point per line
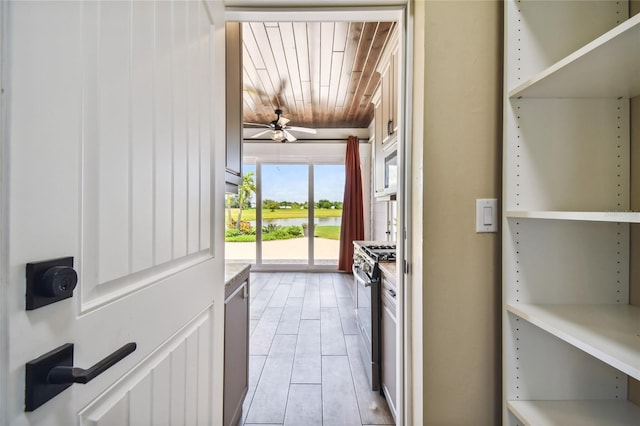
458 121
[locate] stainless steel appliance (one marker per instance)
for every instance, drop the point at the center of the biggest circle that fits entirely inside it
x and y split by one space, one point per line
366 272
391 171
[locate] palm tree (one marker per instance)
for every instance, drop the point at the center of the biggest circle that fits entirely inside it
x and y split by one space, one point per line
247 187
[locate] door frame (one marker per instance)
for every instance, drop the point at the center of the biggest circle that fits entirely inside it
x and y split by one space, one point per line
4 226
370 10
232 11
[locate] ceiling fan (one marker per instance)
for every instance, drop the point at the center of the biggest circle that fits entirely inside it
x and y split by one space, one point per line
279 129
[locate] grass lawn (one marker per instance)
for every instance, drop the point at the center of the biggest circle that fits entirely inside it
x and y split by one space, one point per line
250 214
252 238
328 232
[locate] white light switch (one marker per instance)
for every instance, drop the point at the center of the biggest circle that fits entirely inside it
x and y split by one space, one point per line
487 215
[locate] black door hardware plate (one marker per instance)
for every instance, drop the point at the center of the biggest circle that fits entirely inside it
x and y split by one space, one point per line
49 281
53 372
37 388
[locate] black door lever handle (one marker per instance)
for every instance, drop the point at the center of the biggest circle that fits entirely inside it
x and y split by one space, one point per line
65 374
53 372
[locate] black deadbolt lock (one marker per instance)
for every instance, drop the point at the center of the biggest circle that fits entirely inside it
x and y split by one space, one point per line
50 281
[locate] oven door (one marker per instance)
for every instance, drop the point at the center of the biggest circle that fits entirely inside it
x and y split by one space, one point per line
363 304
361 277
367 317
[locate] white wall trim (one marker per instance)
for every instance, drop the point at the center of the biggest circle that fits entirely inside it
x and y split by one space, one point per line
218 87
330 10
411 317
4 226
316 152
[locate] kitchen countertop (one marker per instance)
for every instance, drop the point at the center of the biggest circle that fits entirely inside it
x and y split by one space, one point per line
234 272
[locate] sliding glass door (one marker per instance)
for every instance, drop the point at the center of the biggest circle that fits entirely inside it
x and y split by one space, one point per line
328 193
284 207
287 215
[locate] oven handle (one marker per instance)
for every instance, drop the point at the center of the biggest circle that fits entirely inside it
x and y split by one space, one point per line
357 276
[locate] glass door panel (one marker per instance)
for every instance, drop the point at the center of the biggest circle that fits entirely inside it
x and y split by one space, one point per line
328 185
285 213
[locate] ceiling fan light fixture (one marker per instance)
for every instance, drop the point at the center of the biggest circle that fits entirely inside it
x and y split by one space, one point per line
280 131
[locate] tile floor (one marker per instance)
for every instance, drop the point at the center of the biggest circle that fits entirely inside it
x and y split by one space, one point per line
305 366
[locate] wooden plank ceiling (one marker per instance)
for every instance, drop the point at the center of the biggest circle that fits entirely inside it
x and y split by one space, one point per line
321 74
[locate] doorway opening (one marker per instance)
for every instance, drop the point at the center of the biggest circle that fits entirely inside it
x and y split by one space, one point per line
276 95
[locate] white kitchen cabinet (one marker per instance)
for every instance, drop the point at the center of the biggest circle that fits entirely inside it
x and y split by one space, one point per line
389 75
378 154
386 119
570 336
388 357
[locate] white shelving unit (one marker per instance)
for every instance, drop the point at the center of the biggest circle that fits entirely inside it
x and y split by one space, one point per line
606 332
592 413
570 337
615 217
604 68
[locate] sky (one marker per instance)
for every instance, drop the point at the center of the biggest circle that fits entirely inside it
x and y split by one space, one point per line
289 182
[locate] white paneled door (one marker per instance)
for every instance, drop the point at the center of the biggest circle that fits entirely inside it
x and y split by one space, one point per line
107 158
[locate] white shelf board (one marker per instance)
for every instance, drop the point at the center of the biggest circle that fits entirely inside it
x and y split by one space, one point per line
610 333
622 217
583 413
607 67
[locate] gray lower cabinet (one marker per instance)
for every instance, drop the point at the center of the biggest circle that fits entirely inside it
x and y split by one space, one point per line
388 345
236 349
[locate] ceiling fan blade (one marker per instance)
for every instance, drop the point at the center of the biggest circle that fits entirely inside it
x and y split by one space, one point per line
257 135
255 90
277 99
283 121
289 136
256 124
260 97
302 129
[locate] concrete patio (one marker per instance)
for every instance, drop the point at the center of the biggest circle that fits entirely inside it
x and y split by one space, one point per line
294 250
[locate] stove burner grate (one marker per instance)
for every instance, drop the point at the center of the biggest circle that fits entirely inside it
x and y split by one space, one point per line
377 253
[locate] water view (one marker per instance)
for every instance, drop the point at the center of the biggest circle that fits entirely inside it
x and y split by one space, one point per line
298 221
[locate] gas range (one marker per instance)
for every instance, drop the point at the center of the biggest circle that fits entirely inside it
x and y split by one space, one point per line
367 279
380 252
367 255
